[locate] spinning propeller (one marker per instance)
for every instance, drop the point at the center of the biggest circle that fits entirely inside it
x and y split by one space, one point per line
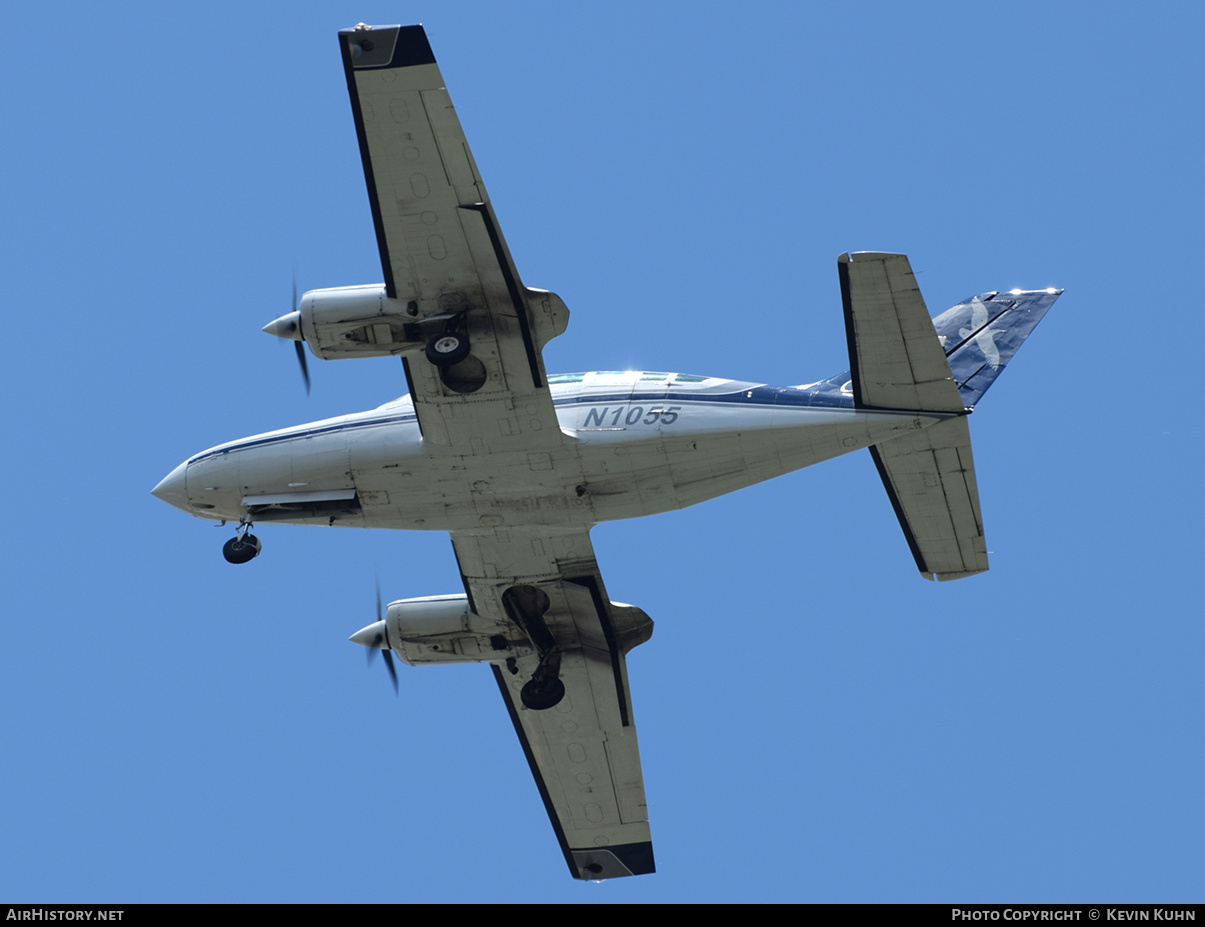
376 638
289 327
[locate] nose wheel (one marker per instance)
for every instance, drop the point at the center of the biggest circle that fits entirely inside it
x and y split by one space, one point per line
241 548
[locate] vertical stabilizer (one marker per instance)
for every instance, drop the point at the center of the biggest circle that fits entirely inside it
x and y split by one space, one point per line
980 335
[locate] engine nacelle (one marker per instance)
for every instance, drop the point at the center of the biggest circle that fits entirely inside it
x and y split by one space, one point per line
362 321
441 629
356 321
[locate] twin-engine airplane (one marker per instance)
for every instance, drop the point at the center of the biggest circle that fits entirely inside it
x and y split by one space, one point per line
519 465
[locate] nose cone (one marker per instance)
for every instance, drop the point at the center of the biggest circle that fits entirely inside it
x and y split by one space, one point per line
287 326
371 636
171 488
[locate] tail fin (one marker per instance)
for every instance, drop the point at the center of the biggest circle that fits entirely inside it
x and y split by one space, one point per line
981 334
897 363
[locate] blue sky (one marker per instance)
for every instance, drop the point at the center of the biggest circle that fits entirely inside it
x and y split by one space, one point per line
816 722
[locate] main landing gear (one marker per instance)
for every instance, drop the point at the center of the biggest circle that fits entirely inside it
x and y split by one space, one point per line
525 606
243 547
542 692
450 347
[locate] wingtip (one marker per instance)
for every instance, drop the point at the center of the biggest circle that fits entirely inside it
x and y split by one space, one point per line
616 861
391 46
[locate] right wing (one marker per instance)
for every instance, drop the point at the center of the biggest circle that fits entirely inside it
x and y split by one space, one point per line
583 751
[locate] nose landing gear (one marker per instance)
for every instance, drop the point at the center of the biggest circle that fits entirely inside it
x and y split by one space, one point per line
243 547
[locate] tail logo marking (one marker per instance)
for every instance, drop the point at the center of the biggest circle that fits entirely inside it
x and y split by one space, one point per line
984 339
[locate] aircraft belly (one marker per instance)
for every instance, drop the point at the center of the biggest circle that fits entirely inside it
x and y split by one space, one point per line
456 492
626 478
801 441
606 474
710 457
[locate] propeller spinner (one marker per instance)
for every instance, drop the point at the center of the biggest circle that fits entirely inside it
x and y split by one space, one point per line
376 638
288 326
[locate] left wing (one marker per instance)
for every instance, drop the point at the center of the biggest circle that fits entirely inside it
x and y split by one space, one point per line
582 751
442 251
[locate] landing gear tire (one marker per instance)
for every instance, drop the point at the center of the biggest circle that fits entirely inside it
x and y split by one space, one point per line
241 549
447 349
541 694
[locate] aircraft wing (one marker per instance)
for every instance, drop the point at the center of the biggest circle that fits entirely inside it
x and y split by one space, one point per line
442 251
582 752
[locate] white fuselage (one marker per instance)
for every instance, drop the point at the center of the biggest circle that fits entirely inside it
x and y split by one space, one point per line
635 444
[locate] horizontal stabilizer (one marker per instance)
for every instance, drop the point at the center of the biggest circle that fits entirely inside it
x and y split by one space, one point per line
930 477
895 361
981 334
